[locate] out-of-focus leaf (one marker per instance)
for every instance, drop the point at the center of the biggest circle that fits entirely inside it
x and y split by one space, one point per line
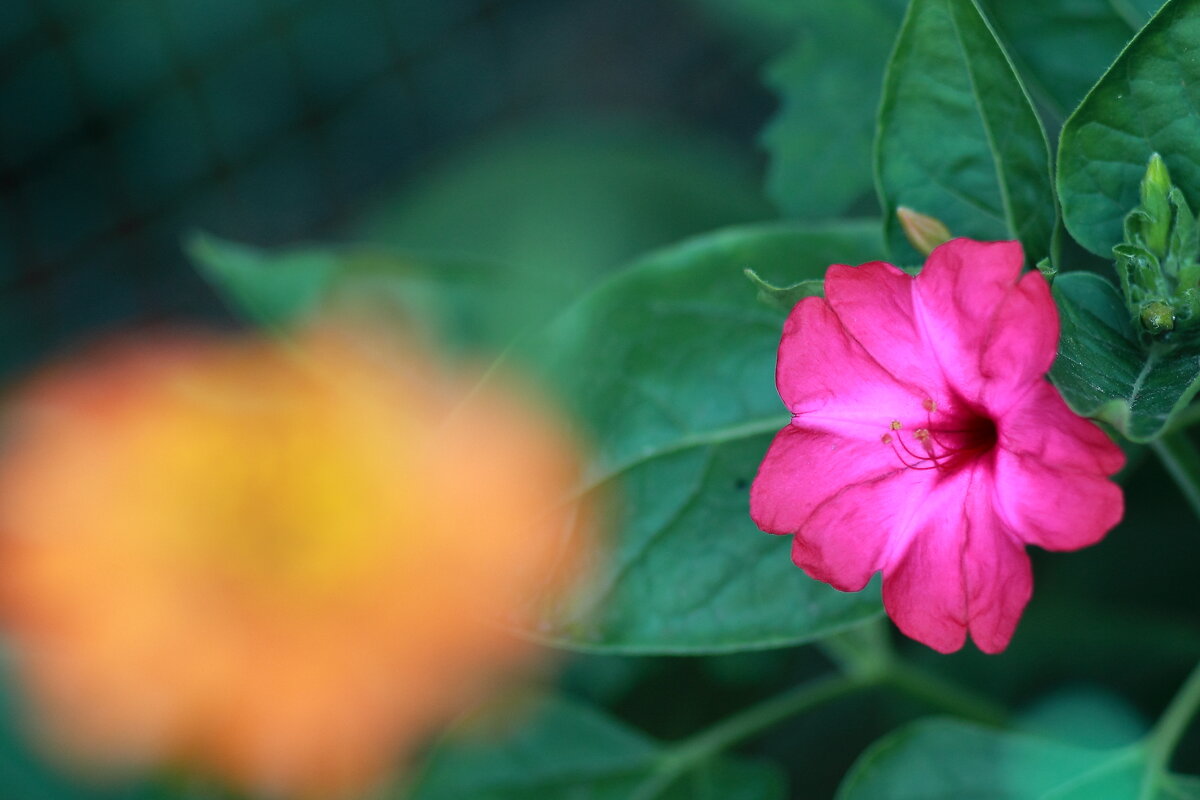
1086 716
828 83
562 201
1104 371
269 290
567 751
764 26
671 366
472 304
1144 104
958 138
952 760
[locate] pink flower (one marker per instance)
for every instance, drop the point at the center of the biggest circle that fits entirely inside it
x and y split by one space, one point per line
926 442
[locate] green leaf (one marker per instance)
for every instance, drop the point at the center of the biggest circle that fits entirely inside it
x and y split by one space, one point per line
1143 104
1062 48
268 290
958 138
828 85
671 366
951 760
784 298
1104 371
943 759
471 304
568 751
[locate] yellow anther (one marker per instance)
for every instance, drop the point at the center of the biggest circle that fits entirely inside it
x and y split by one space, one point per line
886 438
929 405
895 424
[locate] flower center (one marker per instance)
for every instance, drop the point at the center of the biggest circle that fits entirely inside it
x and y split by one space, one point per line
946 442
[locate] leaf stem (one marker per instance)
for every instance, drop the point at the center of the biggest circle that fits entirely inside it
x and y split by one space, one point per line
918 684
1161 741
1185 418
1182 461
732 730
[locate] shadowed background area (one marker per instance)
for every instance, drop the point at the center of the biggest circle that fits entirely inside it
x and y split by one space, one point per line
126 124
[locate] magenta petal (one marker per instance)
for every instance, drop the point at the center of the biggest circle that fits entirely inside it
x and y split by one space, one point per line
999 582
923 589
983 320
803 468
1051 474
874 302
961 570
1043 426
826 377
1021 343
846 539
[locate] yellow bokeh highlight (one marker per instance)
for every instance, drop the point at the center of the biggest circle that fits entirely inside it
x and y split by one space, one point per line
284 564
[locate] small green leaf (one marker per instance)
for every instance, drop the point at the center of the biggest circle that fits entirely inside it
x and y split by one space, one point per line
271 290
475 305
828 84
785 298
958 138
1105 371
950 760
568 751
1143 104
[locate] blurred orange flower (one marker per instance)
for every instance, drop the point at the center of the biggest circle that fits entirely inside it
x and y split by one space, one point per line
281 563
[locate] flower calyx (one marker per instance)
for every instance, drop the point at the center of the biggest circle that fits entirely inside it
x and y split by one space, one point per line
1158 260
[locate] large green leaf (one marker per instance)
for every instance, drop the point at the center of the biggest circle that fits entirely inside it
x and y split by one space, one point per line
952 760
958 138
1104 371
670 365
828 84
1142 105
567 751
1062 47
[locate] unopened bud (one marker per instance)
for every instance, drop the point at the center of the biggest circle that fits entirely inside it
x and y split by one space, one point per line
1155 188
1157 317
923 231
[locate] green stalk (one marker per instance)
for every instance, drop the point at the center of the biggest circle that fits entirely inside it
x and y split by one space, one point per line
682 757
1161 741
926 687
1182 461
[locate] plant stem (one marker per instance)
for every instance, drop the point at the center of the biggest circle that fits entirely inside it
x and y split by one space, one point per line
1186 418
1182 461
912 681
1161 741
728 732
942 694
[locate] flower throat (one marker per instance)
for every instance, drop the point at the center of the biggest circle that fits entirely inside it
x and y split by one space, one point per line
944 443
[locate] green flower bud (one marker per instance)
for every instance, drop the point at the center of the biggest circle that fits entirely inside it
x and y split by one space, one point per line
924 232
1156 222
1157 317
